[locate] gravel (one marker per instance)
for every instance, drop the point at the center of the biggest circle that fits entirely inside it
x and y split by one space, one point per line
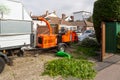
29 67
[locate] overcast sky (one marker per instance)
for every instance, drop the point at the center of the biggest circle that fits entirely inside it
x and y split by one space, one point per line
38 7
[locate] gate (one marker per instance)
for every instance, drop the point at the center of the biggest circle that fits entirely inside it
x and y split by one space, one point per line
112 29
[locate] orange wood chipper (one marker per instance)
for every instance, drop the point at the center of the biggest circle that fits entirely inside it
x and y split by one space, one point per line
50 40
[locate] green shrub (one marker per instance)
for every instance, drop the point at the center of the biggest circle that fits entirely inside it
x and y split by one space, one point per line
86 52
87 42
65 67
105 10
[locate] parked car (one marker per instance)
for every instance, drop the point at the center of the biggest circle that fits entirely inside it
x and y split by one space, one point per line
86 34
78 32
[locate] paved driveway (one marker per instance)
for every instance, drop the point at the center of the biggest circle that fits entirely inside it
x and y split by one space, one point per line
110 70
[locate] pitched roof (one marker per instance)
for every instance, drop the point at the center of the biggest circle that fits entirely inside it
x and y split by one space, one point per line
57 20
78 23
66 23
34 17
89 24
54 20
82 23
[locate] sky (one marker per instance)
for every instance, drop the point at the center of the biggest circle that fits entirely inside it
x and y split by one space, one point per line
39 7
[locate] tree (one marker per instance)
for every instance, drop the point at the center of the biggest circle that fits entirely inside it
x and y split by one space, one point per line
105 10
4 10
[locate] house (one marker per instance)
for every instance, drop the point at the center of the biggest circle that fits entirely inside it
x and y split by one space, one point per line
81 15
80 25
61 22
69 18
83 25
56 22
89 25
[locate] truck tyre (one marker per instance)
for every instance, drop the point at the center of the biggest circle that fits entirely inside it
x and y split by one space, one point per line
61 47
2 64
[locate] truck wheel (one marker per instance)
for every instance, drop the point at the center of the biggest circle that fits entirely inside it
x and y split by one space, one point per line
61 48
2 64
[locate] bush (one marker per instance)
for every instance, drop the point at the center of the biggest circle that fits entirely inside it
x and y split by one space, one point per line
105 10
87 52
89 43
65 67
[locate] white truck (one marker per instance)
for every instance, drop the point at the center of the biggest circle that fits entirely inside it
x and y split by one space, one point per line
15 29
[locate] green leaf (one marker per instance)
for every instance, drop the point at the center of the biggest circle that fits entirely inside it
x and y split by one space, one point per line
65 67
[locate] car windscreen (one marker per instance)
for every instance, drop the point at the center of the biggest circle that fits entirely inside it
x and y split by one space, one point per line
88 31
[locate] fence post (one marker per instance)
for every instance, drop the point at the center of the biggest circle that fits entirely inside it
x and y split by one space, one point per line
103 41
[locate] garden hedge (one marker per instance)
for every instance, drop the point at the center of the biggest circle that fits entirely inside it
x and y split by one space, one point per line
105 10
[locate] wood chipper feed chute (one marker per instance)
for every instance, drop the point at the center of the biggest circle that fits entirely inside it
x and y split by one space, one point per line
47 23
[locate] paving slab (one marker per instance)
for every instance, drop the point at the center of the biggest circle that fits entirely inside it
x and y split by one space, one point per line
109 69
107 62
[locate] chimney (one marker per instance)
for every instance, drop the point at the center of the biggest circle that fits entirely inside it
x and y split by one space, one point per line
54 12
72 17
60 21
47 12
63 16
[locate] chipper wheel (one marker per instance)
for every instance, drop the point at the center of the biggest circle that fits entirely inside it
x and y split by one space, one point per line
61 47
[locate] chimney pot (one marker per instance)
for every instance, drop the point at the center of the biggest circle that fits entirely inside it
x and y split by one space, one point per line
63 16
72 17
